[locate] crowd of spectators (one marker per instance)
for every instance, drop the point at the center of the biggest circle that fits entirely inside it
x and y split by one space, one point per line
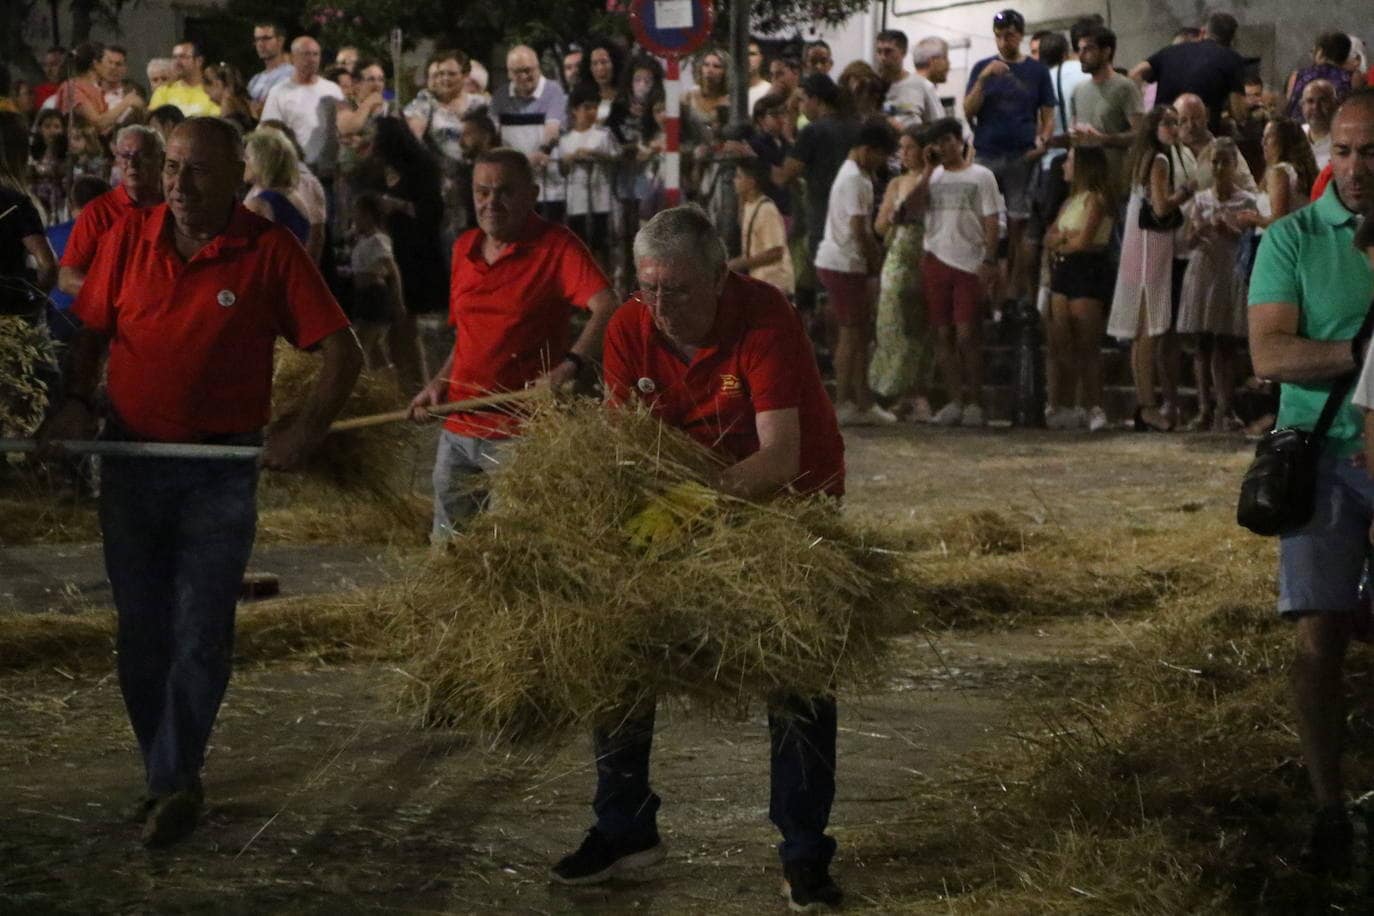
1124 205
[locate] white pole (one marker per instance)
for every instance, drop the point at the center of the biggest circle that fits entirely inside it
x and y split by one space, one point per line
141 449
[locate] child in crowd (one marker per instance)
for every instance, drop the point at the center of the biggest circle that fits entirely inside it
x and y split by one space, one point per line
963 210
377 296
847 265
763 237
1212 304
48 164
1082 274
586 156
164 118
86 152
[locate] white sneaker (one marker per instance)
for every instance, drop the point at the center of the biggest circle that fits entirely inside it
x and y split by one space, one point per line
972 416
949 415
873 415
844 413
1097 420
1059 418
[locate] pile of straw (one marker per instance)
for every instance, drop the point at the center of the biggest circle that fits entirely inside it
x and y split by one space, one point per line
25 352
359 480
545 615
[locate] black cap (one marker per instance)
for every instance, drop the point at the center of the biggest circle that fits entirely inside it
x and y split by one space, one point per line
820 86
1009 19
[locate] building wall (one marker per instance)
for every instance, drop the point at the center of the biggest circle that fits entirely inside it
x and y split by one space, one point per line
1280 32
148 29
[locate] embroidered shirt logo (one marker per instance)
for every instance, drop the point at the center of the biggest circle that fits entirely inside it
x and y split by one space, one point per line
226 298
646 386
730 386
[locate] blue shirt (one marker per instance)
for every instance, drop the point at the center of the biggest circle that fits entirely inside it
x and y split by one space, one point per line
1006 124
57 237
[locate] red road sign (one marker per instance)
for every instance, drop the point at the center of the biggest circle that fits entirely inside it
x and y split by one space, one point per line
672 28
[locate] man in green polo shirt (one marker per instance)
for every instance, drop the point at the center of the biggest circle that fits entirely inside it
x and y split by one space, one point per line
1309 294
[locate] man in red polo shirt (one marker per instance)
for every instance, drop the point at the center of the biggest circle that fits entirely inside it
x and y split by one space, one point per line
725 359
515 281
138 150
188 298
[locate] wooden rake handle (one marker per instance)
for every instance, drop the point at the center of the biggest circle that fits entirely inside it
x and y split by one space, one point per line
396 416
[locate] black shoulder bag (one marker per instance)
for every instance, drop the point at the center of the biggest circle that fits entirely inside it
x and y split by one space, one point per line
1168 223
1279 488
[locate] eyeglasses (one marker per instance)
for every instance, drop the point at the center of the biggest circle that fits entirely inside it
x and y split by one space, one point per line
660 292
519 71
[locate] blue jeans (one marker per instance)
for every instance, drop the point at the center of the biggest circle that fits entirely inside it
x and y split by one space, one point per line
458 491
178 534
801 777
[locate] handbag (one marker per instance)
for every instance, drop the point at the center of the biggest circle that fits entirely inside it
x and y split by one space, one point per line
1147 219
1279 488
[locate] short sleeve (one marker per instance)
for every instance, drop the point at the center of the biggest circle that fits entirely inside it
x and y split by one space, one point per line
82 243
30 223
1275 276
989 198
420 107
851 196
308 312
1364 388
579 277
771 376
618 370
95 304
1154 60
769 231
1132 102
973 74
1048 98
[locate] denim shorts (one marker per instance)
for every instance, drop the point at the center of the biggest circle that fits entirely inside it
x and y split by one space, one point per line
1321 563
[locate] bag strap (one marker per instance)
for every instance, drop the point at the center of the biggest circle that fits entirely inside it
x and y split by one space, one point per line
1059 87
1339 389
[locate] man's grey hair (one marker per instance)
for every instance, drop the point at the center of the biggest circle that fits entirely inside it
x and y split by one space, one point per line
927 49
682 233
151 137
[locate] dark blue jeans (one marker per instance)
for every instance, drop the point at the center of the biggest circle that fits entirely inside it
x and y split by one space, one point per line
178 534
801 776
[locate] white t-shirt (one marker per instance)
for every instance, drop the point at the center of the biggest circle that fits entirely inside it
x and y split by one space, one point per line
758 92
954 220
914 100
369 257
588 178
309 110
1321 149
1067 75
851 195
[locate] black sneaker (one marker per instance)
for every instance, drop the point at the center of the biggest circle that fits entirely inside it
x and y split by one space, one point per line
601 858
173 817
808 887
1328 849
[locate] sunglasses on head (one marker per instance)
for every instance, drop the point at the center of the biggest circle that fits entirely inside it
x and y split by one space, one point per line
1009 19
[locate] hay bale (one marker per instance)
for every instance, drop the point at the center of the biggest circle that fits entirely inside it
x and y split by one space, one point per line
358 481
545 615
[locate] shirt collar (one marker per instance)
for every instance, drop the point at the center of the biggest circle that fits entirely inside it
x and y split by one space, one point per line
243 227
1330 209
532 231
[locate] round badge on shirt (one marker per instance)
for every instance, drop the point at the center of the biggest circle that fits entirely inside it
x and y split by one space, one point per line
226 298
646 386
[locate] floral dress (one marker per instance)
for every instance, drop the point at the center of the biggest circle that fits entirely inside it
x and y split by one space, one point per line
902 356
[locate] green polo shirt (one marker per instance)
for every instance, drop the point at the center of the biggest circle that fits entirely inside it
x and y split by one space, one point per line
1309 259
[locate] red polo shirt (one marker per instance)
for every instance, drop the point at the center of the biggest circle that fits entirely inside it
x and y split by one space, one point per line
513 317
97 218
761 360
191 341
